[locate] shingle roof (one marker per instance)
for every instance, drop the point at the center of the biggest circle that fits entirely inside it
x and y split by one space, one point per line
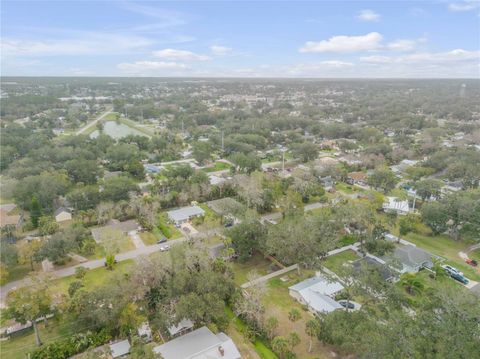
412 256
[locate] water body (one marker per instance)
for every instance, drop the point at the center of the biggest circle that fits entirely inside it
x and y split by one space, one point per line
117 130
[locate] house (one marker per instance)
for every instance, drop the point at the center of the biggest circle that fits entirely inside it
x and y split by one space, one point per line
393 204
316 293
7 219
357 178
409 259
372 263
403 166
151 169
62 214
199 344
327 183
184 214
216 180
181 328
120 349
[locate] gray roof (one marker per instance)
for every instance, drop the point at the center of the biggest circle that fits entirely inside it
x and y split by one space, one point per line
185 213
371 263
319 302
412 256
199 344
183 325
120 348
318 284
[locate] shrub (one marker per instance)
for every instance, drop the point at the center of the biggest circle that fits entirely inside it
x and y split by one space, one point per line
71 345
165 230
80 272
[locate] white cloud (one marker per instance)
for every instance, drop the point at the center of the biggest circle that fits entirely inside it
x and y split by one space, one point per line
81 44
370 41
148 67
402 45
165 18
458 56
467 5
368 15
181 55
220 50
337 63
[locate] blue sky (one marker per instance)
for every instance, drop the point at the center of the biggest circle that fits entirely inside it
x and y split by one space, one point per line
241 39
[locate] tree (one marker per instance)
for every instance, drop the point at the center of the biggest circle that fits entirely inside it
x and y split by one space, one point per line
271 325
294 315
280 345
47 225
435 216
412 283
55 249
202 151
293 340
35 211
110 261
312 329
73 287
428 188
382 178
27 251
29 303
118 188
406 224
245 162
305 151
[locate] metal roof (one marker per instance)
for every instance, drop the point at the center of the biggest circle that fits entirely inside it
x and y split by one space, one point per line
120 348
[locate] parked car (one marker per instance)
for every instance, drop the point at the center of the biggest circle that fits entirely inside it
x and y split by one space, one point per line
346 304
163 240
459 278
165 248
452 270
472 262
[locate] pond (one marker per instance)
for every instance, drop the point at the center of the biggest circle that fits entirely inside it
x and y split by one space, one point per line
117 130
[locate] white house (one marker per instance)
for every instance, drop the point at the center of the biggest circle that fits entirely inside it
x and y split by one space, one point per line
317 293
63 214
199 344
393 204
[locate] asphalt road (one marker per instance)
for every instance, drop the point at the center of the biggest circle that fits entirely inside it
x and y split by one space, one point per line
94 122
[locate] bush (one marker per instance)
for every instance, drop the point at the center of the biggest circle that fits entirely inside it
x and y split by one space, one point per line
72 345
80 272
165 230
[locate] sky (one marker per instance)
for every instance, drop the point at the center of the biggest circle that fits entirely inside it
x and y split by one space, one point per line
318 39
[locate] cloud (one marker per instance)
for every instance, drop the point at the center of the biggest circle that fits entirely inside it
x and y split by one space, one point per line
220 50
368 15
370 41
79 44
336 63
165 18
402 45
147 67
457 56
181 55
467 5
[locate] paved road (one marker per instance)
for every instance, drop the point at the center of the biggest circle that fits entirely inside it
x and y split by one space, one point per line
94 122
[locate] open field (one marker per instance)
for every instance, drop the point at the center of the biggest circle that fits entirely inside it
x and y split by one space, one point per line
257 263
335 262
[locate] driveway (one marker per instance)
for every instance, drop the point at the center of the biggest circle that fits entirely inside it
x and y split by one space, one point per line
137 241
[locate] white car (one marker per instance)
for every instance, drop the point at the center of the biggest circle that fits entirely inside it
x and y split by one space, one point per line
450 270
165 248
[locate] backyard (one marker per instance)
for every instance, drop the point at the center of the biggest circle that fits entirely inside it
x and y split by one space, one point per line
257 263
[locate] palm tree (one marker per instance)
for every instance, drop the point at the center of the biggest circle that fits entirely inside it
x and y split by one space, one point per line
294 339
280 345
294 315
412 284
312 328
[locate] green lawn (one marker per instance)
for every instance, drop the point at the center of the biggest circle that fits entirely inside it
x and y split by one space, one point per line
278 303
348 189
18 272
447 248
256 263
334 263
218 166
148 238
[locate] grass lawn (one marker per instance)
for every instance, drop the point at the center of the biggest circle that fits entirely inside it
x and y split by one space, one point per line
256 263
348 189
475 255
445 247
174 231
18 272
93 278
211 219
218 166
334 263
148 238
22 343
278 303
